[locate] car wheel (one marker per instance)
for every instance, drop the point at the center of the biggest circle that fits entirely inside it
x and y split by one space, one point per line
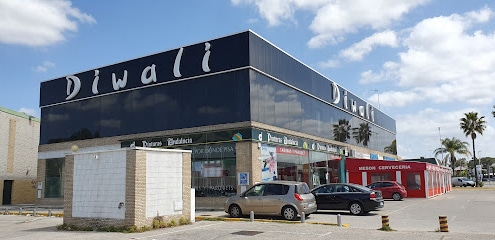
356 208
289 213
472 185
235 211
396 196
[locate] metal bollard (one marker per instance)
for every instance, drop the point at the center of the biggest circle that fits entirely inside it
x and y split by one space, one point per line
385 222
303 217
49 212
20 211
251 216
339 220
6 211
444 226
34 213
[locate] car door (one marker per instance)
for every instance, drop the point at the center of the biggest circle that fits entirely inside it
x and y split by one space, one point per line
387 189
252 199
274 198
329 197
323 196
342 196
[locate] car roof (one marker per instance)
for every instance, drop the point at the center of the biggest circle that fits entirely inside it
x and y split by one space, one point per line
282 182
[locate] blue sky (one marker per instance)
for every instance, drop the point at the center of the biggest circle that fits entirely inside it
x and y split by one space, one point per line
423 62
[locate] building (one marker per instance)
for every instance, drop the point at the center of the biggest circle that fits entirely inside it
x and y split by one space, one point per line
422 178
19 138
247 110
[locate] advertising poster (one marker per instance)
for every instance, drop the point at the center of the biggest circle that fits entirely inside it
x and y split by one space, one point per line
269 163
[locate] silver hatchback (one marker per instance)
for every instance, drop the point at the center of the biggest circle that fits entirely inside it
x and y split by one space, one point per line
278 198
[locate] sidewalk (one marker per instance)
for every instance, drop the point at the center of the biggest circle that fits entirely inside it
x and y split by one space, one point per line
32 210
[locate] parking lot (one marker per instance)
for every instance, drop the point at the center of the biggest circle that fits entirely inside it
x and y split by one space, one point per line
470 213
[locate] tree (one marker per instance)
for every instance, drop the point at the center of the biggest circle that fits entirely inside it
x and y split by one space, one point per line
342 130
493 111
451 147
362 133
470 125
392 148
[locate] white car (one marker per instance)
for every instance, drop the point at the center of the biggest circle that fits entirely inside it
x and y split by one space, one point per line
462 182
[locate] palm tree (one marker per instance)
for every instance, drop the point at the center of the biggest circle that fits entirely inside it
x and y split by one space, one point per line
342 130
362 134
451 147
392 148
470 125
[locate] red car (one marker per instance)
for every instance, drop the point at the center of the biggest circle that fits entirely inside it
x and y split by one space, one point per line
390 189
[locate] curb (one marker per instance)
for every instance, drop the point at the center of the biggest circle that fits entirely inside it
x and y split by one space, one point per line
228 219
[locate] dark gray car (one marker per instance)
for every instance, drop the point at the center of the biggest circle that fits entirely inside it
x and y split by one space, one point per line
279 198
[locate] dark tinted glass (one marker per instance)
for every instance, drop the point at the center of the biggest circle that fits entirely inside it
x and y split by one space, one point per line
204 101
277 104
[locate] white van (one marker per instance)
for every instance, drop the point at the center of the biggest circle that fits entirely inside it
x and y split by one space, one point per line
462 182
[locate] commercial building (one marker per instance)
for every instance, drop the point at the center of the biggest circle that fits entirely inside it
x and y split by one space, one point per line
247 110
421 178
19 137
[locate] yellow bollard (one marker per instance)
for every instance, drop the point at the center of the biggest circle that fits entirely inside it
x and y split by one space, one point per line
385 222
444 226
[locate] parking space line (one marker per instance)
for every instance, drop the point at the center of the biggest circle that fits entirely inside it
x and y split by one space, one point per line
407 206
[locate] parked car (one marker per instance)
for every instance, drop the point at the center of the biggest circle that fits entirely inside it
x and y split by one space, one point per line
390 189
280 198
347 196
462 182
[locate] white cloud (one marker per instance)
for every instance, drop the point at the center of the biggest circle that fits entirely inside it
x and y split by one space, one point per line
29 111
38 23
44 66
423 130
337 18
358 50
395 98
444 62
329 64
334 19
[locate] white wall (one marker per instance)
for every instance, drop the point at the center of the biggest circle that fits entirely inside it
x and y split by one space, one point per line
163 183
99 184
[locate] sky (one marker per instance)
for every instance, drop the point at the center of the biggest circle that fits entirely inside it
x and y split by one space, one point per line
422 62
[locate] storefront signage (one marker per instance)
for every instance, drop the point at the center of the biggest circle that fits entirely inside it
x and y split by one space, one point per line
350 105
178 141
152 144
385 168
280 139
119 79
292 151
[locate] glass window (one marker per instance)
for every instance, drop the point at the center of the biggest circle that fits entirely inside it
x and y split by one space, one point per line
381 177
54 178
413 181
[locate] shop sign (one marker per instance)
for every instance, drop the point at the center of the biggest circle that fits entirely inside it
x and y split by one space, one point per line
280 139
384 167
292 151
119 79
340 98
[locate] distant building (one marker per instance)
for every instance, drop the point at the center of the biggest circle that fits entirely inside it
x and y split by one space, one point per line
19 138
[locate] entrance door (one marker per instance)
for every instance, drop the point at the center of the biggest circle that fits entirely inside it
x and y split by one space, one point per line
320 176
7 192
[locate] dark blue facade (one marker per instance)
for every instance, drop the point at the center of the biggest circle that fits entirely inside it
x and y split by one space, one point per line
231 79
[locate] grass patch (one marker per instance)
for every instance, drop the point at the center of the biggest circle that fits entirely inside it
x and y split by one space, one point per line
386 228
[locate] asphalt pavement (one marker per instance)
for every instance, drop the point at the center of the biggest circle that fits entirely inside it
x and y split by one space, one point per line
470 213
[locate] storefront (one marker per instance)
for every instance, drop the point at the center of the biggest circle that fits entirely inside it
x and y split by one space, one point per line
246 109
421 179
